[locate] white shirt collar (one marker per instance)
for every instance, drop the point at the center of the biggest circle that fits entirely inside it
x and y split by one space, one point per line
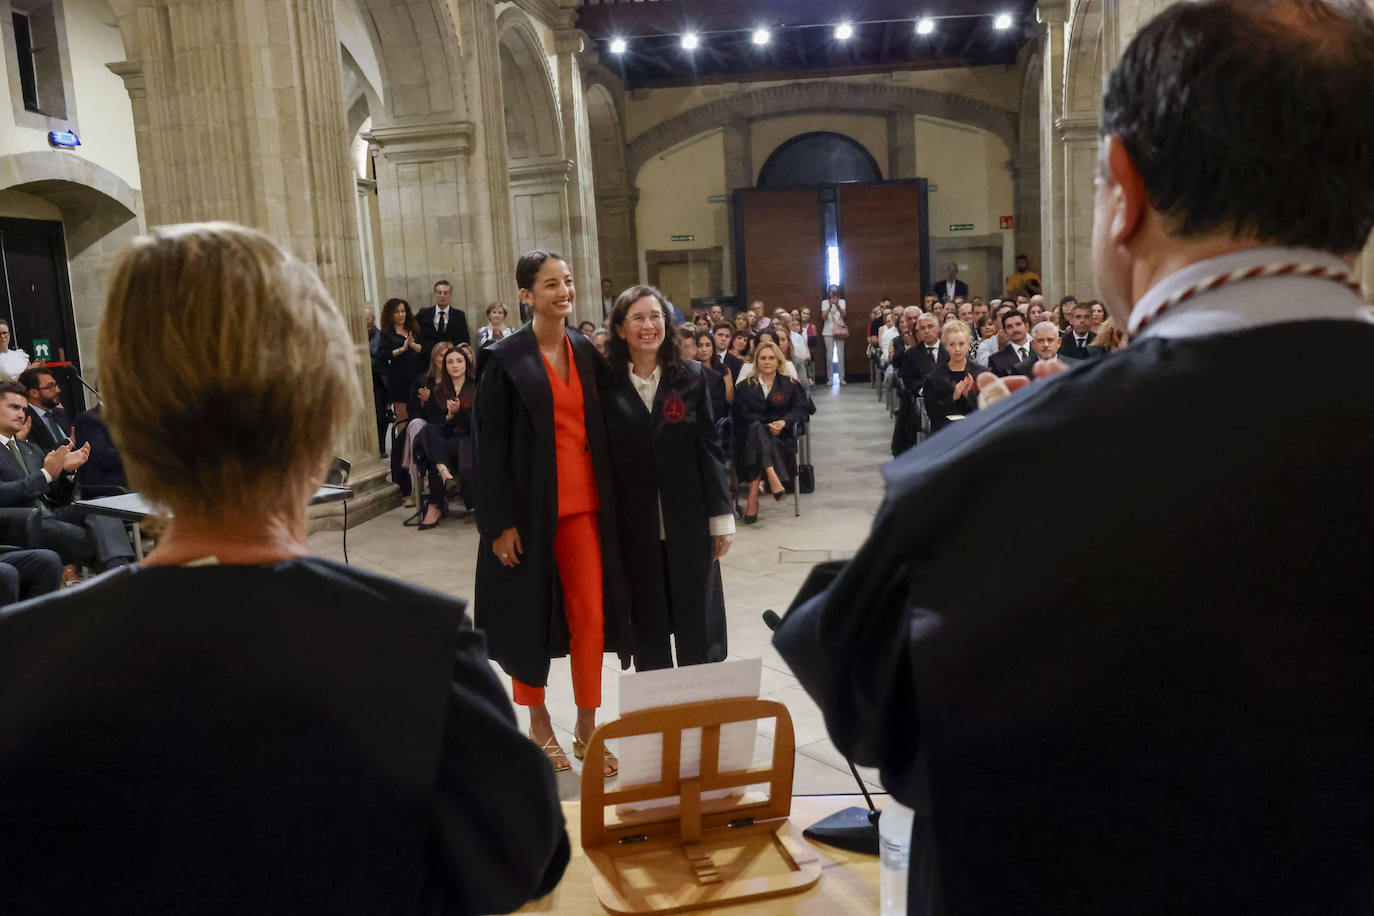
42 414
1252 303
5 440
646 388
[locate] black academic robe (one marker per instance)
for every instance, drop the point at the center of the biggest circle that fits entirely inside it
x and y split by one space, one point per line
670 457
521 607
787 401
1181 725
1070 347
1004 361
938 394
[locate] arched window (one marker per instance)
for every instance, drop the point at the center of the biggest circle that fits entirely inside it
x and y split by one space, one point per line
822 157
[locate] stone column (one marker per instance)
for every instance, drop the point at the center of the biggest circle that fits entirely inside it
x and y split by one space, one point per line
1052 16
1079 139
901 145
738 137
489 253
615 218
1025 177
585 257
239 116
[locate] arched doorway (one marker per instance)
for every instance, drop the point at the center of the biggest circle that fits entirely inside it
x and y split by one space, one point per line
821 157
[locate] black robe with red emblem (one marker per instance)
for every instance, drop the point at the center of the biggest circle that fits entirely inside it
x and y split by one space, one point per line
669 457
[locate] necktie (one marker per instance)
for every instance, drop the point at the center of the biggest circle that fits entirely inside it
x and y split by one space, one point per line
1021 354
18 455
443 320
57 435
933 354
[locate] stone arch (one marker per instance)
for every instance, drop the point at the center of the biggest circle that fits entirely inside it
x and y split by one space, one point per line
1086 64
814 97
608 142
617 236
527 90
100 213
416 47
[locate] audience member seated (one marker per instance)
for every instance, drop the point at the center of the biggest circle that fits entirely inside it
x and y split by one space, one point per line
741 348
33 479
920 360
1099 316
767 406
103 474
989 346
445 443
1109 339
1017 350
725 361
768 335
496 328
720 387
1045 344
586 328
1079 336
234 726
951 388
599 340
51 425
26 574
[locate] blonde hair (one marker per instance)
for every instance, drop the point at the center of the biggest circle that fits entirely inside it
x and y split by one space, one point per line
227 370
955 326
754 360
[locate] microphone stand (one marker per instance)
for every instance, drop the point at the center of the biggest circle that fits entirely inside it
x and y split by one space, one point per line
853 828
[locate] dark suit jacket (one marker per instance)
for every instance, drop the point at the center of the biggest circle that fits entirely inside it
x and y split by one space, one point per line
940 291
1070 347
671 458
728 362
917 366
303 737
1004 361
27 488
455 332
41 436
105 469
1180 726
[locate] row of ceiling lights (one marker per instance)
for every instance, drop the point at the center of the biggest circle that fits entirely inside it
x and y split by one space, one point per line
843 32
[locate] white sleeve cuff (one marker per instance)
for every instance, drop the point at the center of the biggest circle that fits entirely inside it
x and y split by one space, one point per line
46 475
722 524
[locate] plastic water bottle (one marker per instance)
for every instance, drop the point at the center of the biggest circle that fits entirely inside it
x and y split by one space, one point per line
894 852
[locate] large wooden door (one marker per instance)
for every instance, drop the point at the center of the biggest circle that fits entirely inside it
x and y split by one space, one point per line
880 254
784 257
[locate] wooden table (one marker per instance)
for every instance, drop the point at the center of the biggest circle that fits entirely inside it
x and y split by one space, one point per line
849 881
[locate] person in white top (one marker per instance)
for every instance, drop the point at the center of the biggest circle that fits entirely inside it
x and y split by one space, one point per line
12 362
495 328
833 311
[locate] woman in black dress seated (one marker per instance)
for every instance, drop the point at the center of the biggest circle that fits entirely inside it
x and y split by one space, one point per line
445 444
720 385
951 389
767 405
235 726
673 506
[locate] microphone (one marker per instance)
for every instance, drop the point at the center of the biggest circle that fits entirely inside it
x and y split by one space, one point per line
853 829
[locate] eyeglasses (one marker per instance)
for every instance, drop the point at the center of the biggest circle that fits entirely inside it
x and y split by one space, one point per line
47 386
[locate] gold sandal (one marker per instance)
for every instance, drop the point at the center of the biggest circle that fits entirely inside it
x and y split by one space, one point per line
554 752
580 752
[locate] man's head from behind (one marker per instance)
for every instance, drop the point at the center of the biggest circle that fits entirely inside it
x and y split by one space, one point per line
1045 340
41 389
13 400
1211 112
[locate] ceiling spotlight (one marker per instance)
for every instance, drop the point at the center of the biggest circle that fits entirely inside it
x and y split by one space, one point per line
1002 22
843 31
925 26
690 41
762 36
618 46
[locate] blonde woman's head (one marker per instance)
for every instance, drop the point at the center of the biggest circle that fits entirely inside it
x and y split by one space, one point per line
227 371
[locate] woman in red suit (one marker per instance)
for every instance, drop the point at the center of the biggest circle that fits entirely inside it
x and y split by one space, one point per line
545 509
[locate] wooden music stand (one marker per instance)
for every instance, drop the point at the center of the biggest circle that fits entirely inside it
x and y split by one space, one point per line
699 852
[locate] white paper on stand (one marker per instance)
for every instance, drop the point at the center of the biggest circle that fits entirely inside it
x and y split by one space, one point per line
641 757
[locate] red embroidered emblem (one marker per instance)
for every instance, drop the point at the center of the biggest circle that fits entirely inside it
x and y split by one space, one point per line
777 397
674 410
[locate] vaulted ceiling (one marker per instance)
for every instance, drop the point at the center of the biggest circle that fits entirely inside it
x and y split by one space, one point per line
802 39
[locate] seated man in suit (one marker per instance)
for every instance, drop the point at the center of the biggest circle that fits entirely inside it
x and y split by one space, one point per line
1017 350
951 286
923 356
31 478
51 427
27 574
1079 336
724 361
442 321
104 474
1046 344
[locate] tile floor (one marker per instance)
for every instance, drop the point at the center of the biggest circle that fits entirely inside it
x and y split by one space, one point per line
766 565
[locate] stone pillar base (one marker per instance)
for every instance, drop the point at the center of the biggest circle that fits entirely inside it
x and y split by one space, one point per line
373 495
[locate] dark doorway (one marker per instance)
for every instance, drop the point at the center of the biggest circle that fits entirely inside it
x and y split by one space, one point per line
818 158
37 299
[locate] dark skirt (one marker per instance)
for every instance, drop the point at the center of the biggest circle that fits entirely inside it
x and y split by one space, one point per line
760 449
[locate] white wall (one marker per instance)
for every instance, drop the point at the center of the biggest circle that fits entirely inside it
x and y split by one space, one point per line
673 192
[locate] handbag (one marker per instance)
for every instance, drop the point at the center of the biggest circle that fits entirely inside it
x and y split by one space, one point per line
841 330
806 478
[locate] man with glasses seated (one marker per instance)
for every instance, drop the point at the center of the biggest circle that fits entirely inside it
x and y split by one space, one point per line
51 426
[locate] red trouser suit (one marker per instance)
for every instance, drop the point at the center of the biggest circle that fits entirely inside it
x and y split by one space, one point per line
576 542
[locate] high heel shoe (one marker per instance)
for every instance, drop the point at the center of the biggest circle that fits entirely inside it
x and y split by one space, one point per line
780 495
751 519
580 752
425 526
554 753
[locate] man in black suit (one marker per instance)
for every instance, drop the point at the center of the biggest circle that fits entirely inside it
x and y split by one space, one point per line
442 321
1079 336
1017 350
1045 344
921 358
26 574
951 287
31 478
724 360
1181 725
51 427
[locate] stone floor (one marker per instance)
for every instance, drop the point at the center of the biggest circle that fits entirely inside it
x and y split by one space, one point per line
765 566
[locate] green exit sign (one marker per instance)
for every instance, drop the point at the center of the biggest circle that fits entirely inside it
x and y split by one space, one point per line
961 227
684 238
42 348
